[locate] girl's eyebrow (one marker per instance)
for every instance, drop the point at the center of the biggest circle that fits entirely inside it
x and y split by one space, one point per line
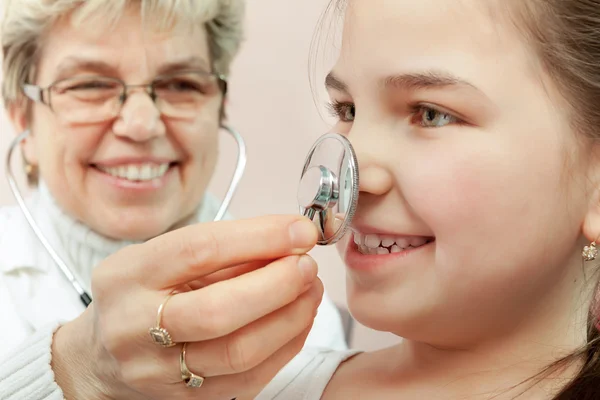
333 82
424 80
409 81
430 79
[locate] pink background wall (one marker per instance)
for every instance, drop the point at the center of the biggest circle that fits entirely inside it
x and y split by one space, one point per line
273 107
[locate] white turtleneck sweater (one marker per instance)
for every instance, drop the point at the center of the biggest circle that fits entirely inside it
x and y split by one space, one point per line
35 298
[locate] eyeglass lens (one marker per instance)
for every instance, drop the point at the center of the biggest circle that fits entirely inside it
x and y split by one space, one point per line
94 99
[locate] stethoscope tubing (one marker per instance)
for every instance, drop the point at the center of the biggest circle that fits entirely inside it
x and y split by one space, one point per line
85 298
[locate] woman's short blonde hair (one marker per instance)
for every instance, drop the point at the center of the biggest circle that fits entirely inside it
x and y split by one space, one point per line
26 21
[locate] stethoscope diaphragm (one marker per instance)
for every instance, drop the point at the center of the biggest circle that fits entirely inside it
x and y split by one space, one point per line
328 189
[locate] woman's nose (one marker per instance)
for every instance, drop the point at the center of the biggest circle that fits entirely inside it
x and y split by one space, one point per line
140 120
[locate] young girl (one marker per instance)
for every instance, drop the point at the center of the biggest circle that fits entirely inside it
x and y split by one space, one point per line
476 129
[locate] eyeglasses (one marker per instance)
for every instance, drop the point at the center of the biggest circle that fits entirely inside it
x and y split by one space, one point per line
93 99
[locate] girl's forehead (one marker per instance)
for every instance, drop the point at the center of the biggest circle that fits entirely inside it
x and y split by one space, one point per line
470 26
463 38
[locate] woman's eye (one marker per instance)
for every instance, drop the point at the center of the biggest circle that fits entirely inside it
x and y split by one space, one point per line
179 85
91 85
345 112
429 117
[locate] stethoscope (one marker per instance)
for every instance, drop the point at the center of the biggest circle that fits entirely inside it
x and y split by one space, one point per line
327 193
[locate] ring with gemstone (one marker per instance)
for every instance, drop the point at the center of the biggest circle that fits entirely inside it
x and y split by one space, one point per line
190 379
158 334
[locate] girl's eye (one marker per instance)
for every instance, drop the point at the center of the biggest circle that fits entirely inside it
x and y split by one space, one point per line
345 112
429 117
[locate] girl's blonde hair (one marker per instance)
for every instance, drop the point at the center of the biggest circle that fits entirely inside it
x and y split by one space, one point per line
26 21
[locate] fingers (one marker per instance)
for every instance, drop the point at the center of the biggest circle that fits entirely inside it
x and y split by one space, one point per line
224 307
250 383
195 251
227 273
253 344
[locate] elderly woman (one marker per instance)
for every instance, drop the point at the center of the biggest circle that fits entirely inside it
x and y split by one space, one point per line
123 101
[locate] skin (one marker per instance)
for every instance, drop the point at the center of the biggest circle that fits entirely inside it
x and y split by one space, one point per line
229 300
497 176
65 151
239 281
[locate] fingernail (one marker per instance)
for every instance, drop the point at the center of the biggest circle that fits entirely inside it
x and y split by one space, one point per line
308 268
303 234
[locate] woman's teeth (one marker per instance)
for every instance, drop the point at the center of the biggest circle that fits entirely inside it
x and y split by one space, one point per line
379 244
137 172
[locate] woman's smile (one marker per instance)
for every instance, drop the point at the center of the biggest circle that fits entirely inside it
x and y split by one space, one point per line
145 177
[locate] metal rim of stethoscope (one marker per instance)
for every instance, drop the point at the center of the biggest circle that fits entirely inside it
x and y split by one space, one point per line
353 161
66 271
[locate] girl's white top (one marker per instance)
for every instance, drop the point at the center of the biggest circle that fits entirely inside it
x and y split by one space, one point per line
35 298
307 375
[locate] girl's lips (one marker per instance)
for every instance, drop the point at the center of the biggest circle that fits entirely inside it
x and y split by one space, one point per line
385 244
374 263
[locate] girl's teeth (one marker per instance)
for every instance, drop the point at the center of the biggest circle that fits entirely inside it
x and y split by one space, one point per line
417 241
379 244
402 242
358 239
372 241
387 241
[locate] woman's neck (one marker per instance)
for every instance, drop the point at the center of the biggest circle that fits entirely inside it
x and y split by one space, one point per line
77 244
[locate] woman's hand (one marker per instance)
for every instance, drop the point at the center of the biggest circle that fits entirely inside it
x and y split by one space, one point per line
249 298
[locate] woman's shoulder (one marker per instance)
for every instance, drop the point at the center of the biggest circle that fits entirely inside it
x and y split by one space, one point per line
9 216
17 240
6 212
307 375
12 214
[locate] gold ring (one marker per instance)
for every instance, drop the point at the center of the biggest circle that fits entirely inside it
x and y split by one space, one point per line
159 334
190 379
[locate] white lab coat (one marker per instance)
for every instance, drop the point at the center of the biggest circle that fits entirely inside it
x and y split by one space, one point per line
34 294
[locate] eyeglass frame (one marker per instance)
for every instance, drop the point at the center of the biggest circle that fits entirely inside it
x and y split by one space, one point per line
36 92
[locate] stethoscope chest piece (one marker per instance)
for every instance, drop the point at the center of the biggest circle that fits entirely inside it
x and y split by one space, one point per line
328 189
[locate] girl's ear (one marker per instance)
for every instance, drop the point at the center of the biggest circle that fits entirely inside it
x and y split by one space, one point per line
591 223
